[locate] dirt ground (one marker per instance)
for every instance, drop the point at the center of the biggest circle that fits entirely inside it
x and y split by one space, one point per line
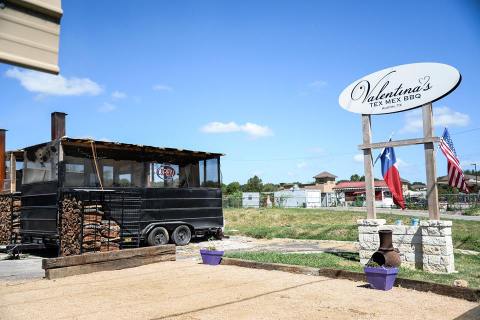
186 289
30 266
241 243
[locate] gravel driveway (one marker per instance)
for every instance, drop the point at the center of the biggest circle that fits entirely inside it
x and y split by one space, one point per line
186 289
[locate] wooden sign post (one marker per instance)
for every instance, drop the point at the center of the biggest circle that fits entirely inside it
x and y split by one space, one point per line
399 89
430 164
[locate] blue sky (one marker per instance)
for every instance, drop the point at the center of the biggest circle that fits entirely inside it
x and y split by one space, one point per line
256 80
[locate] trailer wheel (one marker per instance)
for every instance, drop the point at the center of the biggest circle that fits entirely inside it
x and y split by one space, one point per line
182 235
158 236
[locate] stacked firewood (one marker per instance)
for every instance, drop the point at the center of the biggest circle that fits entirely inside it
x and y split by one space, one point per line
93 233
71 226
9 218
5 219
17 206
110 236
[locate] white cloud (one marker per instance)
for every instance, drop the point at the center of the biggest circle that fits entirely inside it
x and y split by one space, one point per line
118 95
47 84
318 84
301 165
358 157
107 107
252 129
402 164
162 87
442 117
317 150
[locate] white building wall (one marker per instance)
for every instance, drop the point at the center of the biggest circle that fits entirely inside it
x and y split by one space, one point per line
290 198
251 199
313 198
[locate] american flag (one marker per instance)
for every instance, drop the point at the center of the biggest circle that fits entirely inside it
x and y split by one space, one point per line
455 174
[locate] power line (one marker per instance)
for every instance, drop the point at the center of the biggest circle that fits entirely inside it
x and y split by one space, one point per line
332 155
465 131
293 158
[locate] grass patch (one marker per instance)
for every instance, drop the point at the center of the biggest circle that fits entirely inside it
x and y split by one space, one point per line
325 225
466 265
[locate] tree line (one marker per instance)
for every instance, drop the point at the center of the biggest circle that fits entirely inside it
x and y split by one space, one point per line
254 184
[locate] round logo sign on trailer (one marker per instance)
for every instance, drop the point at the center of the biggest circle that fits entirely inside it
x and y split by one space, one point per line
400 88
166 172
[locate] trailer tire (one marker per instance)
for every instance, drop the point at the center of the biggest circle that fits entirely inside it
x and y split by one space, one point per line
158 236
182 235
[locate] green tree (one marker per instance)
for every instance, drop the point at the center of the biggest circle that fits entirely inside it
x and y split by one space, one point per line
233 187
269 187
254 184
355 177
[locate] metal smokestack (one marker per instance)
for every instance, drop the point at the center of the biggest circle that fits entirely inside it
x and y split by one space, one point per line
58 125
2 158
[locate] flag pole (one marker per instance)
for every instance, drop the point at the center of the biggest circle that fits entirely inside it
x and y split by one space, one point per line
381 152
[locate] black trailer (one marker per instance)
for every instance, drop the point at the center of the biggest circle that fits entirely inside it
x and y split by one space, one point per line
155 195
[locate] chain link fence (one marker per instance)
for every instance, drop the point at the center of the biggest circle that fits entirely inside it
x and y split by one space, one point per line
468 204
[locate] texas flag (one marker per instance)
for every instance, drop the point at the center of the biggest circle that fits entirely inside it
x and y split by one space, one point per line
392 176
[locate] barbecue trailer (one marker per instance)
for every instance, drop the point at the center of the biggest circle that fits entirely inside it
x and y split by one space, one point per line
81 195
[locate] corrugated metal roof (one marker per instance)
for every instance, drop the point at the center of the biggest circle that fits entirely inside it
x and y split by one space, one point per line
135 147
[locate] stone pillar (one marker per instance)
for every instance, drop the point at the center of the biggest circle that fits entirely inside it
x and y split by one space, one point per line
437 246
368 238
408 241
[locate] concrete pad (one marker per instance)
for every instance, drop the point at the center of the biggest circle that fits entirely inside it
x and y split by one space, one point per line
27 268
188 290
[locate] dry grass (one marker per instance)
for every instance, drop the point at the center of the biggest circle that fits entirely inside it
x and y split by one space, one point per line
325 225
466 265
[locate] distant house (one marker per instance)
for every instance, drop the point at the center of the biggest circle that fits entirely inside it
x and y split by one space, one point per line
419 187
405 184
308 195
250 199
324 181
349 191
470 179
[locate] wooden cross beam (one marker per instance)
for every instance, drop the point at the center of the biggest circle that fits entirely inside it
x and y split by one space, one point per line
431 168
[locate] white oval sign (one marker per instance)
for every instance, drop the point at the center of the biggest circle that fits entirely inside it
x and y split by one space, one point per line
400 88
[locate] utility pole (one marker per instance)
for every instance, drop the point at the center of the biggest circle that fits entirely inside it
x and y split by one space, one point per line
476 179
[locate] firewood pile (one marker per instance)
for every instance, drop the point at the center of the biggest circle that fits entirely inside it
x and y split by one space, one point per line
93 233
17 206
9 218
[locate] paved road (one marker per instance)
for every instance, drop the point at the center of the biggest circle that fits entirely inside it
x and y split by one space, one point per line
189 290
413 213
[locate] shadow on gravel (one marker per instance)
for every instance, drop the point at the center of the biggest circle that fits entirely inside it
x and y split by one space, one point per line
472 314
239 300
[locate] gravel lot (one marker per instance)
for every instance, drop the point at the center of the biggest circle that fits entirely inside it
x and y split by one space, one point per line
30 266
188 290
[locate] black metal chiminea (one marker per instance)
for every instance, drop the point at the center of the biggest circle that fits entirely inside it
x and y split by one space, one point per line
386 255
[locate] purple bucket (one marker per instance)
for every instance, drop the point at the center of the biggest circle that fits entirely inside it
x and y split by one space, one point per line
211 257
381 278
